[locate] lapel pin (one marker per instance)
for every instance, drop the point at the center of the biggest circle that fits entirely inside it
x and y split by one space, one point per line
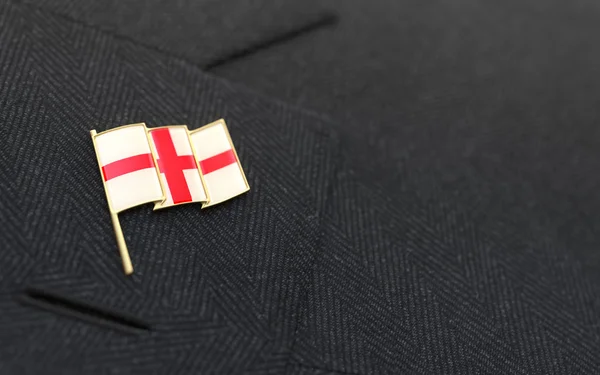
166 166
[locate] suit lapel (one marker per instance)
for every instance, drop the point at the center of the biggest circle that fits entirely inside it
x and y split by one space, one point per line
233 273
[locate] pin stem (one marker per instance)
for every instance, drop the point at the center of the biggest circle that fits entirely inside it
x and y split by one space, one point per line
127 266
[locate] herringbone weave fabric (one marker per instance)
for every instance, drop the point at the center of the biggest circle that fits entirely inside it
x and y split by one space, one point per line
334 262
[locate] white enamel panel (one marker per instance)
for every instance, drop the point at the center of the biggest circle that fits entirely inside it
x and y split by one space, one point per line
134 188
122 143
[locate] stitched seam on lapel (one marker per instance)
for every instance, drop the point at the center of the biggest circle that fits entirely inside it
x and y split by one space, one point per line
324 20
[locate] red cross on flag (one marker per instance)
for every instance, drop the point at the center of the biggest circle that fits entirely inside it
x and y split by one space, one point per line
223 174
177 165
168 166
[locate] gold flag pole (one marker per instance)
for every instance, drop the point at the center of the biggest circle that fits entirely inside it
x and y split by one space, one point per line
127 266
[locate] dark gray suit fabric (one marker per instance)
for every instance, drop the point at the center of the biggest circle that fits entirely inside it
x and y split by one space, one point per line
205 32
341 259
411 63
482 121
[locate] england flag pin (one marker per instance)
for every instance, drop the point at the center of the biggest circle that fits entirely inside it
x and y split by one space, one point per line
166 166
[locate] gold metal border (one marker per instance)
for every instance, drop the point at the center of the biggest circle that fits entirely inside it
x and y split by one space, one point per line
158 205
127 266
239 164
94 135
